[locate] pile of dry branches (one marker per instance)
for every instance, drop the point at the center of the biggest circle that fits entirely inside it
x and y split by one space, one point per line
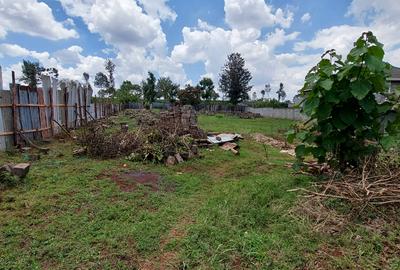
376 183
155 140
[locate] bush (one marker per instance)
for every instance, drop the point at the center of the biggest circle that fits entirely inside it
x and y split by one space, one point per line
270 103
347 120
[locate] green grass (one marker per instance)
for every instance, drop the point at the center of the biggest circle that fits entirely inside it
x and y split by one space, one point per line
225 211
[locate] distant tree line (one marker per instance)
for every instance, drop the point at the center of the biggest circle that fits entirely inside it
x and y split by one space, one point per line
234 84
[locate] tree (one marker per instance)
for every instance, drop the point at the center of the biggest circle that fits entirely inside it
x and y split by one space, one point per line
254 96
206 86
106 82
235 78
31 72
346 122
263 94
86 77
190 95
281 93
167 89
149 89
126 93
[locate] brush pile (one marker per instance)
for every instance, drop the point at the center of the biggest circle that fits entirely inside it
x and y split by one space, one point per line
169 137
376 183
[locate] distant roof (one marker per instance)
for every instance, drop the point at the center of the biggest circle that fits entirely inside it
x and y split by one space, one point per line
395 74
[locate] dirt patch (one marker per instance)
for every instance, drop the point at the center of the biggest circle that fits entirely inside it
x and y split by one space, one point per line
131 181
169 259
282 145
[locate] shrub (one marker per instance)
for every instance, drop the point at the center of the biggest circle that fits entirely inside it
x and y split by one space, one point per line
351 114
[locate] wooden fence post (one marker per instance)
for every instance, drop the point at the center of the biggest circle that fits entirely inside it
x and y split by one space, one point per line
51 111
66 108
76 115
14 108
85 103
79 106
95 109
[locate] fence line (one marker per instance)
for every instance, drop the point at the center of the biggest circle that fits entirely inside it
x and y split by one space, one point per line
280 113
34 112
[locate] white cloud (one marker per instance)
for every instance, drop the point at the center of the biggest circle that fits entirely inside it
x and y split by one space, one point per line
33 18
381 19
306 17
242 14
213 46
133 32
158 8
13 50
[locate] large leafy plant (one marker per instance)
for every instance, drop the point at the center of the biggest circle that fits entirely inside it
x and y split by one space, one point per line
351 113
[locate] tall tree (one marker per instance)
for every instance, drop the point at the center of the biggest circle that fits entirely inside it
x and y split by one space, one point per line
263 93
190 95
206 86
106 82
281 93
126 93
167 89
235 78
86 77
149 89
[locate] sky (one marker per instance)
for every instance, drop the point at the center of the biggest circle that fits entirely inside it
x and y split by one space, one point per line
280 40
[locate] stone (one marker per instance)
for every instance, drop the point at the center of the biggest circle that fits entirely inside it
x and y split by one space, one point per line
26 149
171 161
79 152
194 149
179 158
6 168
21 169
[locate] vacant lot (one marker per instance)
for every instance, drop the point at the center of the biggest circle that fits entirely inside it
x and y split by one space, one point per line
218 212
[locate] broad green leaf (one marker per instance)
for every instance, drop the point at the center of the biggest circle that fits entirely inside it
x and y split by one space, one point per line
301 151
324 111
291 135
356 52
360 89
326 84
368 104
376 51
332 97
326 67
318 152
385 107
312 77
374 63
347 115
302 135
338 123
388 142
310 105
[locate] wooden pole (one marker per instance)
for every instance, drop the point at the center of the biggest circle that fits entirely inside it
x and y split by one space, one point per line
85 103
79 106
76 115
51 111
66 108
95 108
14 108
